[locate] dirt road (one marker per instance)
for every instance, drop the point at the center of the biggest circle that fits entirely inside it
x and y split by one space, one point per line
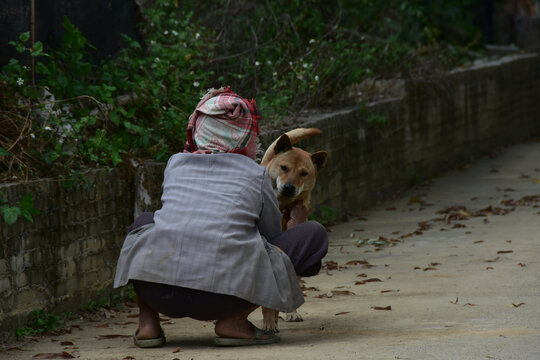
446 271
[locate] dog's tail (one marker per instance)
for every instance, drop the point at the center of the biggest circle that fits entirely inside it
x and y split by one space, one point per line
295 135
301 133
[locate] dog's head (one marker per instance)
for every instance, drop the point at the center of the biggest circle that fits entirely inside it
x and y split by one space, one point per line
293 171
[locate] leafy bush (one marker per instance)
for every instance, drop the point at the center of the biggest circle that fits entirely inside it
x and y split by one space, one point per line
24 208
39 322
288 55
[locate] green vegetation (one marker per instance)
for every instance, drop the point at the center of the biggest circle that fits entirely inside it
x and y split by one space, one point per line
289 55
39 322
326 215
109 299
24 208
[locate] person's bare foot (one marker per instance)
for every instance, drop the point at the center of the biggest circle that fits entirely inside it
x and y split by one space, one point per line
237 326
149 327
236 330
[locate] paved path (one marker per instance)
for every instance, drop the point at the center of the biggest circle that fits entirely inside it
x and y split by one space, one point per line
447 271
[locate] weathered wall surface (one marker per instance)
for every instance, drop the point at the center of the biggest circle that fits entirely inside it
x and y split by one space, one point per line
436 125
70 251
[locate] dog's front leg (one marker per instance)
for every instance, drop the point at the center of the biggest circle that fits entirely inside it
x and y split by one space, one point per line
293 317
270 319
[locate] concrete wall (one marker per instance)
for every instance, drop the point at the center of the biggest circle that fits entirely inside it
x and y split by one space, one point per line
436 125
60 261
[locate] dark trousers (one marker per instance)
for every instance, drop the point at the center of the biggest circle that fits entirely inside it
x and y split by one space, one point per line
305 244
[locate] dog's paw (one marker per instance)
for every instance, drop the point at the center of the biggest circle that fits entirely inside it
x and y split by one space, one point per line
270 320
270 326
293 317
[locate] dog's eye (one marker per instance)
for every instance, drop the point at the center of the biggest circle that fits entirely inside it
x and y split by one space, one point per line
283 167
303 173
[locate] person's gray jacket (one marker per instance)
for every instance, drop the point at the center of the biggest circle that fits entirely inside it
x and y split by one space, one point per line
210 234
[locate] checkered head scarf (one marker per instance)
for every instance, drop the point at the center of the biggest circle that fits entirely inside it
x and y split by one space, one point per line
222 122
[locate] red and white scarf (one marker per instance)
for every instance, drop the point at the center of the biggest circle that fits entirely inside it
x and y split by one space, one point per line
223 122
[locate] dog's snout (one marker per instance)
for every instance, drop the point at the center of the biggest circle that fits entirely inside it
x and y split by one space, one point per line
288 190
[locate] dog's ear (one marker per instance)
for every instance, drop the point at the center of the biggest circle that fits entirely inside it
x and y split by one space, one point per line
283 144
319 159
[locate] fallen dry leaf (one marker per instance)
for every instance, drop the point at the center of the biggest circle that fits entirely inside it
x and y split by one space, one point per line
362 282
327 295
129 358
434 264
15 348
489 268
518 305
331 265
112 336
469 304
388 291
478 241
66 343
342 292
454 302
493 260
342 313
357 262
176 350
387 308
62 355
430 269
361 275
521 264
505 252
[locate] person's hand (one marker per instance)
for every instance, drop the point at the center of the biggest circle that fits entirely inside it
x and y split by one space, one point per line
296 215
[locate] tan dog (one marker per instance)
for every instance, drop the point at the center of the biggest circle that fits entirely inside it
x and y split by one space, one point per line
293 173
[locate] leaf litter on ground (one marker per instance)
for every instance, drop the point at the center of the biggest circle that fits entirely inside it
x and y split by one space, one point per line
62 355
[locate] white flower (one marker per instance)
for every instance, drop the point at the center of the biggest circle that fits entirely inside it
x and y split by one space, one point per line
32 135
197 36
311 41
164 108
152 42
20 81
47 127
316 77
196 84
269 62
175 33
157 59
257 63
290 63
274 73
166 32
305 65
